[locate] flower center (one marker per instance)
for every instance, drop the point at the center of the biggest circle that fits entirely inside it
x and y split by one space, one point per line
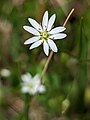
44 35
31 86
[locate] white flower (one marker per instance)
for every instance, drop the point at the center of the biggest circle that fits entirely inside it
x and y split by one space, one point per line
32 85
5 73
44 33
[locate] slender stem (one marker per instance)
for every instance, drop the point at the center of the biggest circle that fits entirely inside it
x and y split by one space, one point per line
51 54
27 107
69 15
46 65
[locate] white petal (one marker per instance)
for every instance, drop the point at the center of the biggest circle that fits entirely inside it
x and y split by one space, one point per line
52 45
25 89
34 88
36 79
26 77
31 40
57 30
35 24
31 30
58 36
45 20
51 22
46 48
36 44
33 91
41 89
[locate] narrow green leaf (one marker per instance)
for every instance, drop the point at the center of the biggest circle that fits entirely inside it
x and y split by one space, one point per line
82 67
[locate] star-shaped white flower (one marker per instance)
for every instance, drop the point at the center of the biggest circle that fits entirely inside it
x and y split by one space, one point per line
32 85
44 34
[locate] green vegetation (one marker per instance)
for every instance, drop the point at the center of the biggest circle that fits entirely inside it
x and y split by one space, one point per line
67 79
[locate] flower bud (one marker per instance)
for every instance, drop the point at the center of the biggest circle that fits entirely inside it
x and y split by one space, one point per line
65 105
87 96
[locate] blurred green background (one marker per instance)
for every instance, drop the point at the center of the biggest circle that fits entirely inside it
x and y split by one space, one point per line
67 80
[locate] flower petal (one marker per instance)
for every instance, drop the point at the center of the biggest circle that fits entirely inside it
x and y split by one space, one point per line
25 89
46 48
36 44
31 40
45 20
52 45
51 22
58 36
26 77
41 89
33 91
57 30
31 30
36 79
35 24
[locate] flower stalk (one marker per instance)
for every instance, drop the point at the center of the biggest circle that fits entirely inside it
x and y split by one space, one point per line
30 86
51 53
27 106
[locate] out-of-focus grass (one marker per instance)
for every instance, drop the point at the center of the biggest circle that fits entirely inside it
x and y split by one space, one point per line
63 68
82 68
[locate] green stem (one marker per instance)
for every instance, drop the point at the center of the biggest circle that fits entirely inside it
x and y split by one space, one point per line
27 106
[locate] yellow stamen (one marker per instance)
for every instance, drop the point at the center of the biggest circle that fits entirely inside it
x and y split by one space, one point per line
31 86
44 35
